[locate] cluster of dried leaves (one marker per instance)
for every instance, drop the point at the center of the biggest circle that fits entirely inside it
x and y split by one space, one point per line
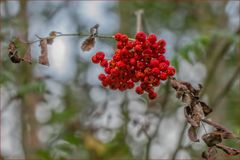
16 47
195 113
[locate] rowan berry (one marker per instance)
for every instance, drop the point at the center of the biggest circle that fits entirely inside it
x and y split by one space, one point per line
139 90
95 60
118 36
100 55
104 63
154 63
152 38
101 77
163 76
171 71
141 36
152 95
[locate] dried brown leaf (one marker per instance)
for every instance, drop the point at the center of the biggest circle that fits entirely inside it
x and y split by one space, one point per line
88 44
197 113
90 41
27 56
187 98
13 53
211 139
230 151
94 30
188 113
206 109
192 134
52 35
194 91
43 58
226 134
210 154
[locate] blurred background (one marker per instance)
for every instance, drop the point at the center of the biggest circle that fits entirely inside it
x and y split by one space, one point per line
62 111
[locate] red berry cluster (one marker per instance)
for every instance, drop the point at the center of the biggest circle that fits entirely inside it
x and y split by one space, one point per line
141 60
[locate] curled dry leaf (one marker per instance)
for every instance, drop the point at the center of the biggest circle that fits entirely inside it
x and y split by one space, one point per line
184 86
52 35
90 41
27 56
211 139
197 113
43 58
206 109
188 113
210 154
13 53
192 134
230 151
226 134
187 98
88 44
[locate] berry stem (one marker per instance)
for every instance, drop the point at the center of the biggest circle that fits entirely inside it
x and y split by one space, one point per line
71 34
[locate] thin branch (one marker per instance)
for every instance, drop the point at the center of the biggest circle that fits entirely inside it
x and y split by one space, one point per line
138 14
179 144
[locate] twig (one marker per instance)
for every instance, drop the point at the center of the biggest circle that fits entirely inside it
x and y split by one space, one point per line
179 144
138 14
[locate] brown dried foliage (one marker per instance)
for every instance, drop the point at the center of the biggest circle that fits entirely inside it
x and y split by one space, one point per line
89 43
195 113
43 58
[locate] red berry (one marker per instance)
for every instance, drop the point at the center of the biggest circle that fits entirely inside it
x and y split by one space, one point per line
105 83
171 71
132 61
130 84
155 71
129 45
161 58
163 76
139 90
120 45
156 83
167 62
162 43
138 48
101 77
140 36
163 66
104 63
162 50
154 63
121 65
152 38
115 72
124 38
95 60
100 55
118 36
147 51
107 70
152 95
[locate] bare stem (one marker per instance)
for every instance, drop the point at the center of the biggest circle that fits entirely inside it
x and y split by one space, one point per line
138 14
71 35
